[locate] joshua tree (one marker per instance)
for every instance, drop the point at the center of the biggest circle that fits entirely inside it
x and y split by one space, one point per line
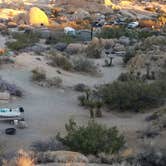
91 109
108 63
88 92
82 100
111 59
153 77
138 76
147 70
98 105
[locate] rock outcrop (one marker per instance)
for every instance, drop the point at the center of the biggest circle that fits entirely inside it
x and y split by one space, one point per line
37 17
61 157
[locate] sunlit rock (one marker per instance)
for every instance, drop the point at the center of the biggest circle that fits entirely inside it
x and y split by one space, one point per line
37 17
12 25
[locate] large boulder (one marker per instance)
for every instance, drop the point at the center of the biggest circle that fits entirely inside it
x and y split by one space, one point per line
80 14
20 19
119 47
124 40
61 157
61 46
37 17
75 48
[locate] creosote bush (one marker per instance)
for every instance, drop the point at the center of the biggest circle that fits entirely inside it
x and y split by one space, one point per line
23 40
54 82
133 95
118 32
84 65
59 60
38 74
92 139
11 88
130 53
94 48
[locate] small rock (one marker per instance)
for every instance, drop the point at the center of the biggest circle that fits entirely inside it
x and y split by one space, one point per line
119 47
22 125
124 40
152 117
94 159
12 25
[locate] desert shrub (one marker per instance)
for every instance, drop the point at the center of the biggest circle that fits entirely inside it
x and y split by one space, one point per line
22 40
92 139
75 48
6 60
11 88
84 65
149 42
54 82
130 53
48 145
133 95
127 77
122 31
117 33
38 74
151 158
80 87
94 48
59 60
60 37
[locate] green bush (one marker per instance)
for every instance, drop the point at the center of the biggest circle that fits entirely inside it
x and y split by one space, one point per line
23 40
59 36
133 95
122 31
92 139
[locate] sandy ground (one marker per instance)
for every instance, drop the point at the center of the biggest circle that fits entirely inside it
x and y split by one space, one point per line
47 110
26 60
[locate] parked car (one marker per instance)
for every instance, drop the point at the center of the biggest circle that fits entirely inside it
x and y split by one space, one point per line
133 24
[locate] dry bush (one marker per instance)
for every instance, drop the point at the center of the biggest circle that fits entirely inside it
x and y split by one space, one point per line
38 74
54 82
153 41
59 60
81 64
94 48
75 48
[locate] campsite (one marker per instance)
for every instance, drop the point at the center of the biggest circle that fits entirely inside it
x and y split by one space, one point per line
82 82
